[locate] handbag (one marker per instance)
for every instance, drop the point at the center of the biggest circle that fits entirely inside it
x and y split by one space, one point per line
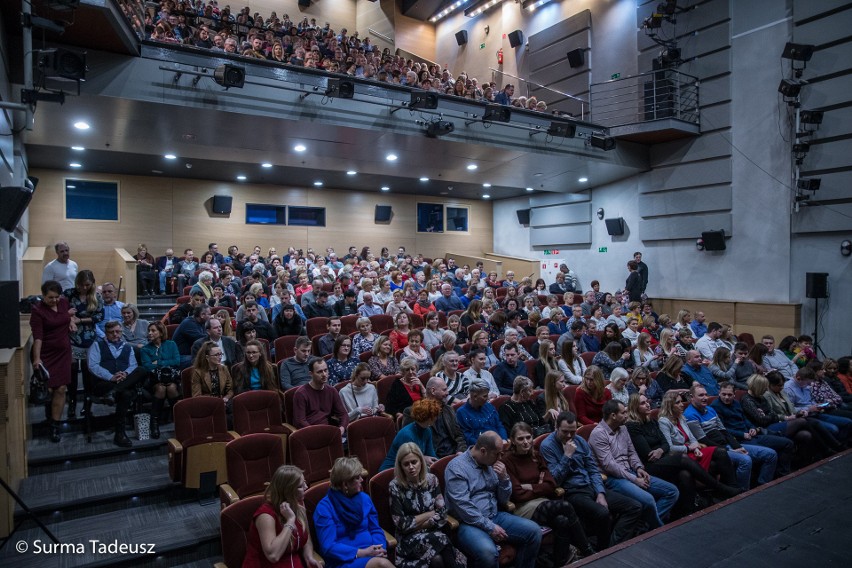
166 375
39 394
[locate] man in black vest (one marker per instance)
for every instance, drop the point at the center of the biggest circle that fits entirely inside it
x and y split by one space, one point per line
116 374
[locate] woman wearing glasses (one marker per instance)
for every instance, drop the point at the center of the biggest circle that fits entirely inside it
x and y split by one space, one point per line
209 376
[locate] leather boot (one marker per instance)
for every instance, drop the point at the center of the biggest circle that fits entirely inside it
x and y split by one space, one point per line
121 438
156 410
72 404
54 431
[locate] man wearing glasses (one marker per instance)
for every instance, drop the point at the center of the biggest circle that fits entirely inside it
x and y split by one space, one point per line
775 360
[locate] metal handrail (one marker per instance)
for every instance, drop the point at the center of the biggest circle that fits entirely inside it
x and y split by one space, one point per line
576 98
616 80
652 95
380 35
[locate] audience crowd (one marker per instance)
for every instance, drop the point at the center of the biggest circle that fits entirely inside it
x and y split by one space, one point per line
598 418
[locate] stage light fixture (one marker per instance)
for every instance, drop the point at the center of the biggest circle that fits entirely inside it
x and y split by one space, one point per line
437 128
811 117
340 88
423 100
798 51
64 63
563 130
230 76
810 184
801 147
602 141
790 88
496 113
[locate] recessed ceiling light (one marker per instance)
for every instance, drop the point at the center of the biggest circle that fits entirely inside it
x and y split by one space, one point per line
241 178
77 148
75 165
583 179
472 167
318 183
72 187
300 147
80 125
170 157
391 157
538 174
530 189
351 173
385 188
486 196
156 171
486 185
265 165
424 179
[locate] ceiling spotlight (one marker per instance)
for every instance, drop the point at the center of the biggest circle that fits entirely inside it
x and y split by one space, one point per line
77 148
583 180
299 148
437 128
391 157
75 165
486 185
797 51
602 141
351 173
265 165
318 183
486 196
811 184
472 167
811 117
340 88
801 148
530 189
229 76
385 188
846 248
170 157
80 125
790 88
241 178
424 179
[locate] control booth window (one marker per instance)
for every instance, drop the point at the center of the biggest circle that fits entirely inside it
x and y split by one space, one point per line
306 216
457 219
260 214
430 218
91 200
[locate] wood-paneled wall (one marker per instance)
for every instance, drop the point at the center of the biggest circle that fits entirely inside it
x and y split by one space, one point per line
167 212
757 319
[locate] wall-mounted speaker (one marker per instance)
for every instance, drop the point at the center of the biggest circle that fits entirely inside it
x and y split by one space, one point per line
222 204
461 37
13 202
10 320
615 227
714 240
816 284
577 57
383 214
516 38
523 216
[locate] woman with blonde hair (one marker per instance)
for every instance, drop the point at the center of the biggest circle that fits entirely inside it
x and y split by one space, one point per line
684 318
279 534
547 361
89 306
590 397
554 399
227 323
571 365
419 514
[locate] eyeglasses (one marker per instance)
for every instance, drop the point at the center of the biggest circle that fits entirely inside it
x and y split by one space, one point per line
217 355
250 353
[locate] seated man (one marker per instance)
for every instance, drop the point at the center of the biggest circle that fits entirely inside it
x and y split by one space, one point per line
348 306
294 371
510 281
252 315
477 483
448 301
326 342
319 308
477 415
776 360
232 352
575 334
183 311
588 303
798 390
507 369
286 297
560 287
447 437
572 465
312 294
697 370
614 450
368 308
477 370
112 308
116 375
715 434
708 343
189 331
318 403
731 413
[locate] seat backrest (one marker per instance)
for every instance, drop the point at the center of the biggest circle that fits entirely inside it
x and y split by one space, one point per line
473 328
314 449
569 392
746 338
186 382
234 525
501 292
416 320
439 467
171 329
199 417
381 322
585 431
316 326
499 401
315 344
289 395
588 356
383 387
313 496
257 411
347 324
369 439
365 356
495 347
285 347
538 441
251 461
530 364
527 343
379 487
339 386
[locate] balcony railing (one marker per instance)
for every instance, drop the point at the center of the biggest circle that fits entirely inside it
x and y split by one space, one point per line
655 95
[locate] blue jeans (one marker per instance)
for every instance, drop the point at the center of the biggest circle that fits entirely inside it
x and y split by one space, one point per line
742 463
839 426
783 447
656 501
482 551
768 460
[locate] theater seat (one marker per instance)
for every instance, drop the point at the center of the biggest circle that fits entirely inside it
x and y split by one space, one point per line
234 525
585 431
199 444
316 326
379 488
382 322
285 347
258 411
313 496
588 356
369 440
251 461
314 449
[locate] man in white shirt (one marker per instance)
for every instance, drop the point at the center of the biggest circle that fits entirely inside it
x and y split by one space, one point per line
709 342
477 370
62 268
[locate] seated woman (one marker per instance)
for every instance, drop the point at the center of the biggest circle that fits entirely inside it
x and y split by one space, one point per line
612 357
208 263
641 382
383 363
547 361
401 328
496 326
423 305
255 372
512 338
571 365
346 522
133 330
670 377
590 397
553 397
415 350
398 305
667 346
161 359
228 327
480 341
342 362
409 291
364 340
384 295
454 325
288 322
631 332
449 344
360 396
406 390
209 376
685 341
447 368
472 315
618 385
220 299
420 514
680 439
643 355
673 466
146 271
534 495
204 285
522 408
279 535
432 333
424 413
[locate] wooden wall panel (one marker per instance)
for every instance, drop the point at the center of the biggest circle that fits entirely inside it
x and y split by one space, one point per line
757 319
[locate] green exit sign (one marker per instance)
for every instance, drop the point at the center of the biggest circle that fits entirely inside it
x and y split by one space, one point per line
601 249
551 251
481 46
615 76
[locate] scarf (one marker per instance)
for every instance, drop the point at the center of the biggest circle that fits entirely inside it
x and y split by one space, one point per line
348 509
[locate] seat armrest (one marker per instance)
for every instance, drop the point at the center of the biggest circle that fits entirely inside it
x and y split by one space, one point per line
220 565
227 495
175 447
233 434
290 428
509 507
452 523
560 492
390 538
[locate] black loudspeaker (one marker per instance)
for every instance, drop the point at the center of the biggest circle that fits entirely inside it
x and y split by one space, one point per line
615 227
461 37
714 240
10 320
816 284
13 203
305 3
523 216
516 38
577 57
383 213
222 204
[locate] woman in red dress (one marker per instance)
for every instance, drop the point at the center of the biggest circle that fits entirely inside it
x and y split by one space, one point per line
279 535
50 322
